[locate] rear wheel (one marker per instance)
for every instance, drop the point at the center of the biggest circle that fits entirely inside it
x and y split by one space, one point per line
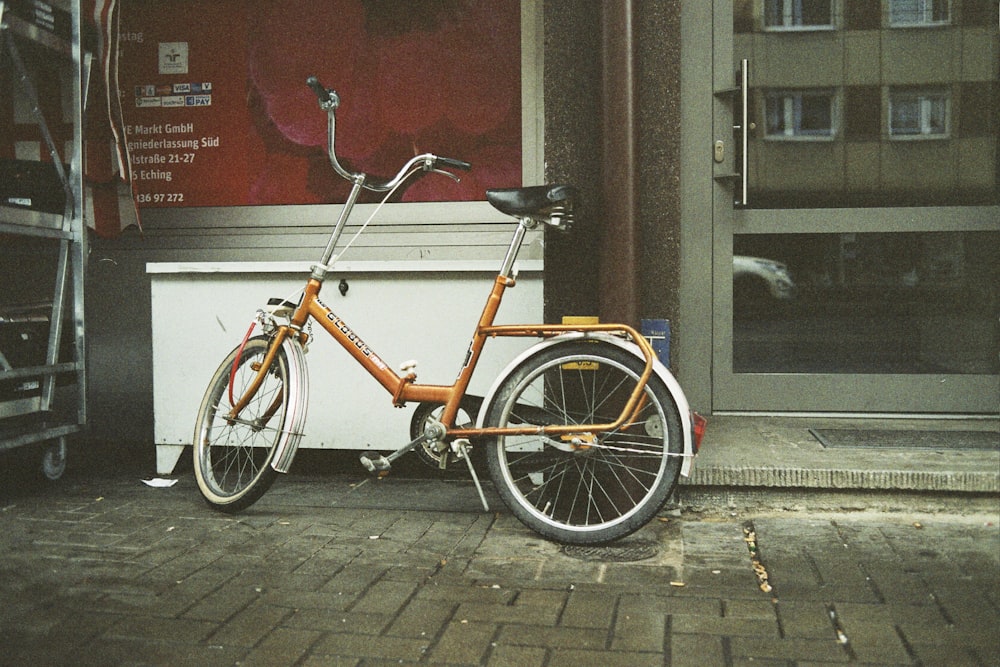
586 487
233 456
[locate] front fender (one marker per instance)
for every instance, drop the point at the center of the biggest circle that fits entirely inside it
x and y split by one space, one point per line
297 401
680 400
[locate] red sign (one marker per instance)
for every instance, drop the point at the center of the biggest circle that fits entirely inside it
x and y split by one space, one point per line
217 112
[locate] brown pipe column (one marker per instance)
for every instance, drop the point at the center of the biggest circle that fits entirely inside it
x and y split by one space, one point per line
619 263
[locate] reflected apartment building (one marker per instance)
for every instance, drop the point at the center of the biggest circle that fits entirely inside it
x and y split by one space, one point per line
859 105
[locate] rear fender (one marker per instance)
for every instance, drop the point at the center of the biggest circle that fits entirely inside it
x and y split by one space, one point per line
680 400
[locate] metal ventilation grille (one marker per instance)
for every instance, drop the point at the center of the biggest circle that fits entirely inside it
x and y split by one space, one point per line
614 553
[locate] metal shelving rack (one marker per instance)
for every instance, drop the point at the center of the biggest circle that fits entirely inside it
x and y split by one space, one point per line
33 409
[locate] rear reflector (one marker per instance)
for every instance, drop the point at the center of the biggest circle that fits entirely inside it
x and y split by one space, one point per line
698 424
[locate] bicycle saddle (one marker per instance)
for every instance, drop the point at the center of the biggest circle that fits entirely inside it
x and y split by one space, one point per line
548 203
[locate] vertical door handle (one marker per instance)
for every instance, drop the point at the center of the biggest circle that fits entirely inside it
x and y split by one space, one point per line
744 127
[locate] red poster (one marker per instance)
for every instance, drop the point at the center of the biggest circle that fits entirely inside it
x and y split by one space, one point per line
217 112
183 82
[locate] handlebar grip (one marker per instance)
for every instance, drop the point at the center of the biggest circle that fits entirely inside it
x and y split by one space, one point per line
453 163
327 97
317 87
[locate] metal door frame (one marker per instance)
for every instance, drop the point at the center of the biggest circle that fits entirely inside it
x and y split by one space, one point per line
708 222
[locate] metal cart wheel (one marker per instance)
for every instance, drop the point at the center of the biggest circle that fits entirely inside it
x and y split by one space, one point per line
54 459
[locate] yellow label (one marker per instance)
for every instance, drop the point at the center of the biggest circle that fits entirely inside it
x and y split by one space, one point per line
578 320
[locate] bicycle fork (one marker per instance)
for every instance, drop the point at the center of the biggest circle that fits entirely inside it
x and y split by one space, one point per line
294 396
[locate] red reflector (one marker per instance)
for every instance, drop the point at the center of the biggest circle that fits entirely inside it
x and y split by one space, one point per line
698 424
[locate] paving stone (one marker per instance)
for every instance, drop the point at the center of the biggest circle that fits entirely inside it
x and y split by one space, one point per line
574 658
805 620
319 660
145 652
332 620
696 650
353 646
384 597
557 637
588 609
965 606
247 627
161 629
669 604
642 633
463 642
520 613
895 586
354 578
764 609
148 578
728 627
825 593
283 646
953 656
422 618
220 604
775 662
518 656
293 598
872 633
708 580
813 650
460 592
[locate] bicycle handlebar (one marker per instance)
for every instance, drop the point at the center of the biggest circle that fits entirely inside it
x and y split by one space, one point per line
329 101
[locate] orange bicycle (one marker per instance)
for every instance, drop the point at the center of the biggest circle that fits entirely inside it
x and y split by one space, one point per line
585 433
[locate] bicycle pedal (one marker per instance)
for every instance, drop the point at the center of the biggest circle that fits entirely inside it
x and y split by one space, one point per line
375 462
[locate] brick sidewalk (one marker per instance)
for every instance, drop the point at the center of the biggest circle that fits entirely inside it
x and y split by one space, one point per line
341 570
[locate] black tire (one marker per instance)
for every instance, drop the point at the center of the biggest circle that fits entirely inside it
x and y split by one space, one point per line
232 459
600 488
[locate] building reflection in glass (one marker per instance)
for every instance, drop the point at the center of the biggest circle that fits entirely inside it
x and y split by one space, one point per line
867 103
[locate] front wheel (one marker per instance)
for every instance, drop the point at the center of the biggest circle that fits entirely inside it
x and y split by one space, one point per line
587 487
233 454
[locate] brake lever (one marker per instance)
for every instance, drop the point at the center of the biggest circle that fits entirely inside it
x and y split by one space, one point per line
450 175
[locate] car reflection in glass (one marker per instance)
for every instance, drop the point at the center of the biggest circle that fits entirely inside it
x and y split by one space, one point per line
759 281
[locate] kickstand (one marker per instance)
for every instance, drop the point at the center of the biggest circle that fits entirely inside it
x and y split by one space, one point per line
460 445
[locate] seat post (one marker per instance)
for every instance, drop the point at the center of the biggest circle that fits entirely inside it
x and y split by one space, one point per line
523 224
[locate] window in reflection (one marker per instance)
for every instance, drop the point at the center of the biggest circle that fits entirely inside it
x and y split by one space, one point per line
915 113
867 303
800 114
919 12
795 14
866 103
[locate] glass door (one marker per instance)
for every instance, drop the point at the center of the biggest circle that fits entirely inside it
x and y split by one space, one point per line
857 247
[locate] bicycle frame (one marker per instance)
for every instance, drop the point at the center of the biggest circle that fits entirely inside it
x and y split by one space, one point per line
404 388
